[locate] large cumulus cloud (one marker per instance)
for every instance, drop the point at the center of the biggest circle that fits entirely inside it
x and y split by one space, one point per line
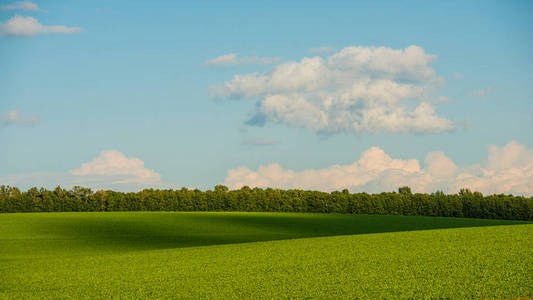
357 90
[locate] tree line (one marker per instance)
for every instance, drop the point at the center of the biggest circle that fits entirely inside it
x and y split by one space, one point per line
463 204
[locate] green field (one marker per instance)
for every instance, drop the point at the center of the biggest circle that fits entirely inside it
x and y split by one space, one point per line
262 255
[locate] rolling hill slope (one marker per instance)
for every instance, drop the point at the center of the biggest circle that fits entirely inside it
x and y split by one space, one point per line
261 255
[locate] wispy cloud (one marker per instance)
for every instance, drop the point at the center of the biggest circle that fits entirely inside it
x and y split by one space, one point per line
232 59
14 117
259 142
223 60
22 5
29 27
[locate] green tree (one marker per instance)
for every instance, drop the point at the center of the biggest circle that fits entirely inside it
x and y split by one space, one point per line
404 190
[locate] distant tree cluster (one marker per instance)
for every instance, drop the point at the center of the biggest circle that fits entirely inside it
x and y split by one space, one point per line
464 204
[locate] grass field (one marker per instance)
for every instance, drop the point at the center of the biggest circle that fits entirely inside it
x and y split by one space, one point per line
261 255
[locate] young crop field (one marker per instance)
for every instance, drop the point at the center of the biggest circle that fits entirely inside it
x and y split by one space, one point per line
261 255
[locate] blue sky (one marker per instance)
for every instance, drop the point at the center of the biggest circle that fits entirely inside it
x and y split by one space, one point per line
131 76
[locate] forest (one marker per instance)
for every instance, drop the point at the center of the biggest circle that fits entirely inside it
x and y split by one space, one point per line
465 204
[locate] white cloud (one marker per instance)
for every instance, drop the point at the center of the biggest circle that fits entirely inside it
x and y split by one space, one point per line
320 50
14 117
259 142
411 63
29 27
22 5
439 165
358 89
512 155
509 170
115 165
232 59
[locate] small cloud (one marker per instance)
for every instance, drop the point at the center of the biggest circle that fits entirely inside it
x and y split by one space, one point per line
259 142
22 5
320 50
14 117
29 27
458 76
256 60
482 92
232 60
224 60
118 168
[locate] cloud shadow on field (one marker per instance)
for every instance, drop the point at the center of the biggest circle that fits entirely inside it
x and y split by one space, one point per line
77 233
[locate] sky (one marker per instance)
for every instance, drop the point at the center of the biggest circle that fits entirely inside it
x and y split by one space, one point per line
316 95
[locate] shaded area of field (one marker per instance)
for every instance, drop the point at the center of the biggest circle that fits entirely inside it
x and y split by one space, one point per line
67 234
